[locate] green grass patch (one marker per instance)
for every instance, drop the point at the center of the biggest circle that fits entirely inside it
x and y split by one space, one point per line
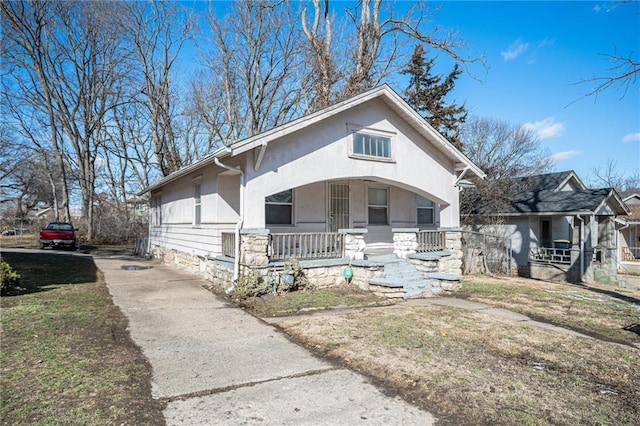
67 357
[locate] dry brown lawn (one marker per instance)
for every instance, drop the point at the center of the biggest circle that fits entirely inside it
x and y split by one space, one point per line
475 368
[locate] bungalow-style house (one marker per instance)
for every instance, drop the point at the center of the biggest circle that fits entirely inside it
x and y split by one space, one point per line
331 188
557 227
629 236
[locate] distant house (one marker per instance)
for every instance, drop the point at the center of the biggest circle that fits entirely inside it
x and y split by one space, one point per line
365 174
629 236
557 227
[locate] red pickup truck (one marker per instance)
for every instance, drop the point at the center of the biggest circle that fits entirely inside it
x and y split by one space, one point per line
58 234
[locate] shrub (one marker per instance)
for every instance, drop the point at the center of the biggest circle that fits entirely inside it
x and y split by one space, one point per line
9 279
252 285
300 281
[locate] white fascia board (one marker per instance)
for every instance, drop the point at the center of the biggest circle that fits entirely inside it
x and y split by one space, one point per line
614 195
303 122
399 105
205 161
435 136
572 174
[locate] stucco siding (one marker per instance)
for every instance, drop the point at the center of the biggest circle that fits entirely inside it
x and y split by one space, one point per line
321 152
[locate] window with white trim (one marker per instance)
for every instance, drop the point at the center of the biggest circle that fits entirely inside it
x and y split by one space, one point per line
156 210
197 204
378 206
371 146
278 208
426 211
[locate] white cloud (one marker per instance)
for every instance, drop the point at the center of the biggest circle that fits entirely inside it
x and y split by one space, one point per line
545 129
631 137
564 155
517 48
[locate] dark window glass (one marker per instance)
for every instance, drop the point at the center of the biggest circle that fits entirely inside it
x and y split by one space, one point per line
377 206
279 208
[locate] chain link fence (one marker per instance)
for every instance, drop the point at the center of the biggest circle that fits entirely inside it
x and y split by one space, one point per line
486 254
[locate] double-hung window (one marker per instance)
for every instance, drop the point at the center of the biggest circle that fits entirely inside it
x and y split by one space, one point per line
156 210
371 146
426 211
278 208
197 204
378 206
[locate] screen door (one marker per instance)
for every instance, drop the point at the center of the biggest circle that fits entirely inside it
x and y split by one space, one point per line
338 206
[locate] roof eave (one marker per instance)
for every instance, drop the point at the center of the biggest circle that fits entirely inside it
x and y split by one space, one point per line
205 161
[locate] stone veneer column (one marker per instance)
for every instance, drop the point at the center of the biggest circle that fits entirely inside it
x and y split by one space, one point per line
354 244
405 241
453 242
254 245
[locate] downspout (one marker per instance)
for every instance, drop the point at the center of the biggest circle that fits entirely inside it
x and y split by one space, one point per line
581 247
236 260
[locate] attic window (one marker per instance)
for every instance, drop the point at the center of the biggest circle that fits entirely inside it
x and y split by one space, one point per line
371 146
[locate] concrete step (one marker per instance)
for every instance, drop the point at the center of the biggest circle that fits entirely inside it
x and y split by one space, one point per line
401 274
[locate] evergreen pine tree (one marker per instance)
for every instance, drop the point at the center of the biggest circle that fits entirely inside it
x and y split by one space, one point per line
426 94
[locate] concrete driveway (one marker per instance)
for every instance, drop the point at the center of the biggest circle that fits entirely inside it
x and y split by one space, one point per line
215 364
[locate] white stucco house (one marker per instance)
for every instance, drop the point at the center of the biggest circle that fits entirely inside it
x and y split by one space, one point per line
334 184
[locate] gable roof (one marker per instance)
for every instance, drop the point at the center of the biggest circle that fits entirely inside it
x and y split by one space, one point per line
543 195
550 181
384 92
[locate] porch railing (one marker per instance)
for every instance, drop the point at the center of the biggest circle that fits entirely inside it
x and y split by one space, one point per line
228 244
550 255
310 245
631 254
431 241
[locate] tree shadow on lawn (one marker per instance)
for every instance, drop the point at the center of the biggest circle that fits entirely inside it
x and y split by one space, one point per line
40 270
613 294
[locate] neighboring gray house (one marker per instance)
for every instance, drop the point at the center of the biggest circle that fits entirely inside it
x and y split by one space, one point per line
361 176
558 228
629 236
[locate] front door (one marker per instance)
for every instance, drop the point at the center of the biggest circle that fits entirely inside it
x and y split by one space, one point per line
338 214
545 231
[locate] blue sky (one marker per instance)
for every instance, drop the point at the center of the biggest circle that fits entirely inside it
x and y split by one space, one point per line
537 52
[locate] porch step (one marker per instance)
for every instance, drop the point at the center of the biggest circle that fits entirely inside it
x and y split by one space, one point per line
403 279
377 249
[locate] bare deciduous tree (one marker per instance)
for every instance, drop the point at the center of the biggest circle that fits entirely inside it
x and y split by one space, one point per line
158 31
323 73
29 51
610 176
256 70
503 151
380 38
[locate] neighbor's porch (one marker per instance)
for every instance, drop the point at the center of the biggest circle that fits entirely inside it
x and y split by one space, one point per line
586 249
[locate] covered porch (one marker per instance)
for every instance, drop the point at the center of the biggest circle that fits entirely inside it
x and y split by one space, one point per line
573 248
421 262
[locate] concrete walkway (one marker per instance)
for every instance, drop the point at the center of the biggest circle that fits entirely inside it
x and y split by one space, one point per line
215 364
